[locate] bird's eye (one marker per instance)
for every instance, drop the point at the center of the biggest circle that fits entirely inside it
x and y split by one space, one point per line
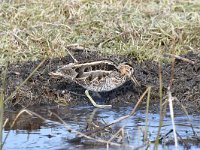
131 69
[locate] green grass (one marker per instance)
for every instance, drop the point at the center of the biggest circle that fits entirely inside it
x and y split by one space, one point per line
31 30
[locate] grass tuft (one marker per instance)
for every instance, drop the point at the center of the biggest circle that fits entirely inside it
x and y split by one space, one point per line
31 30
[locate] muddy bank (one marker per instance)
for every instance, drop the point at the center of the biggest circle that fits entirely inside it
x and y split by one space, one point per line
41 89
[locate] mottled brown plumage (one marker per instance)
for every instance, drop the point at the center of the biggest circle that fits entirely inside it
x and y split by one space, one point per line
96 76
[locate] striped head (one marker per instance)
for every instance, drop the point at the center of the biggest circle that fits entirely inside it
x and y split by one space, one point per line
126 70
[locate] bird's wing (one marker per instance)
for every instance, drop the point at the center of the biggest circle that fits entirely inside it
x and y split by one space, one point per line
93 77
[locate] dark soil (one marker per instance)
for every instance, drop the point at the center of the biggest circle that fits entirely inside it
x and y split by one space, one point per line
41 89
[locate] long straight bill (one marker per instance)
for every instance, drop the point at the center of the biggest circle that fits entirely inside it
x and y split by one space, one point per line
135 81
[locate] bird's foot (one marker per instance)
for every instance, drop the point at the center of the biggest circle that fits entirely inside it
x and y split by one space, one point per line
94 103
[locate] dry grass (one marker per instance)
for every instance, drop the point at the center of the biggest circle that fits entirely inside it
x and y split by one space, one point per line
31 29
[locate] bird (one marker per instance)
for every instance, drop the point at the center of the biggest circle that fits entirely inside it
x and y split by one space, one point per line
97 76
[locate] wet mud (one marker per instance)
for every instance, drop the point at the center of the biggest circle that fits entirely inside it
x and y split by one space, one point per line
41 89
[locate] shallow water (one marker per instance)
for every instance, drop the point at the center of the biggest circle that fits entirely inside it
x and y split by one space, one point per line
30 132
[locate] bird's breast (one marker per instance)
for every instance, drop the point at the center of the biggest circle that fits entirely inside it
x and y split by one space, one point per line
106 85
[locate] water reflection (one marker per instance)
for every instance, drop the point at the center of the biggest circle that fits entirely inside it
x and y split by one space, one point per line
31 132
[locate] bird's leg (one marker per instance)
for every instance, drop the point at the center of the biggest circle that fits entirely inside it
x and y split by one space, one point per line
94 103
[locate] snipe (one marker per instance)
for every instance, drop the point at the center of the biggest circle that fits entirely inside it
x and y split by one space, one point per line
97 76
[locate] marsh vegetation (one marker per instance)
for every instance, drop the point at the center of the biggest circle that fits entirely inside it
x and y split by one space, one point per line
159 38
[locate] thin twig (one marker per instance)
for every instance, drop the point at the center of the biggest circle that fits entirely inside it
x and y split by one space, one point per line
147 143
147 112
170 99
132 112
75 60
181 139
13 123
76 46
190 121
161 138
18 88
161 107
57 25
116 134
5 122
180 58
2 97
